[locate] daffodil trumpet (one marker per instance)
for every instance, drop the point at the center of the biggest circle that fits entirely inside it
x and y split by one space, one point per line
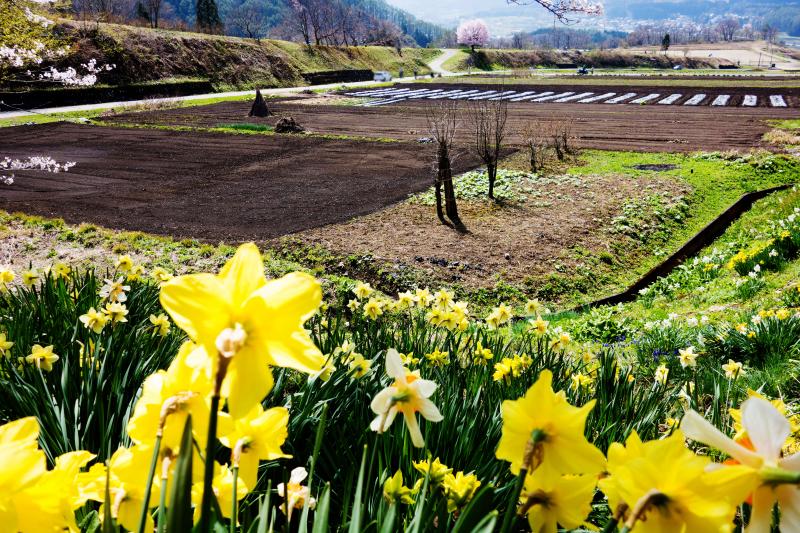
653 498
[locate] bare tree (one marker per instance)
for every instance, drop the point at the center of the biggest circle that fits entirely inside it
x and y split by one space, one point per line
153 11
727 28
247 19
564 141
537 139
443 122
488 118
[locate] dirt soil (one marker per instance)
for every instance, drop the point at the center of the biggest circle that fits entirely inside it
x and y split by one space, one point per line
513 242
645 128
212 186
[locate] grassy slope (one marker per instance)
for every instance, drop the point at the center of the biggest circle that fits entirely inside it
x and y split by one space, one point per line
146 55
720 296
715 184
489 59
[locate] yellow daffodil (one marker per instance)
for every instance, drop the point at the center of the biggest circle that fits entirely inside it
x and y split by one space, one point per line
325 373
733 369
94 320
161 275
295 492
503 369
482 355
43 358
533 308
6 276
373 309
437 470
135 273
222 486
60 271
552 500
394 491
459 490
661 375
408 395
561 445
5 345
161 324
116 312
409 359
422 297
359 366
437 358
257 436
442 299
124 263
127 476
561 341
353 305
760 451
363 290
114 291
670 488
30 277
169 396
22 465
688 357
580 381
251 322
539 326
50 504
405 300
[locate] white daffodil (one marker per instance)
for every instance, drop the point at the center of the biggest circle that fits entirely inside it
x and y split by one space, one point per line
409 394
767 430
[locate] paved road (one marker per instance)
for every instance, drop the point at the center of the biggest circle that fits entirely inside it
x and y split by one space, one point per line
435 65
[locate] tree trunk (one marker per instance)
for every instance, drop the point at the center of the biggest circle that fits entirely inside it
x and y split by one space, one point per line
439 210
446 178
491 170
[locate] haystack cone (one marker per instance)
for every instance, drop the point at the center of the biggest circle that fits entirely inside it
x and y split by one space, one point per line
259 108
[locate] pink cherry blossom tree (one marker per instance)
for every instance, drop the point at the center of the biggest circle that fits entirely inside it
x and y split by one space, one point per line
473 33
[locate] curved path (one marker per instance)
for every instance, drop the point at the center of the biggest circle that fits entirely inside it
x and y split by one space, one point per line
437 65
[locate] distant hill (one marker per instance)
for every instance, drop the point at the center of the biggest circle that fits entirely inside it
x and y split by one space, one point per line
505 19
369 21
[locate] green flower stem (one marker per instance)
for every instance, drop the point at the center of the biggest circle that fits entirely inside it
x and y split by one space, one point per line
149 486
235 502
162 508
208 473
511 509
611 525
779 476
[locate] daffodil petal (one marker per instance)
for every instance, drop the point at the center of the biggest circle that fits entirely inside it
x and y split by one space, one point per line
394 365
199 305
698 428
428 410
249 380
243 274
761 514
766 427
789 501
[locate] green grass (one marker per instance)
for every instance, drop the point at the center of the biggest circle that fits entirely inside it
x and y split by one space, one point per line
791 124
716 184
245 127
